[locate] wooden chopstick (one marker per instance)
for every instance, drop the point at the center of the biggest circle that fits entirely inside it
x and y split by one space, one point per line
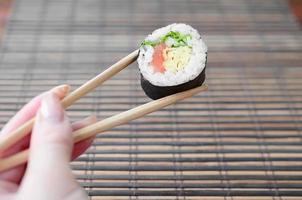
108 123
26 128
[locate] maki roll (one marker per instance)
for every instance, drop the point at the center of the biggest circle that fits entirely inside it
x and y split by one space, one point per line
172 59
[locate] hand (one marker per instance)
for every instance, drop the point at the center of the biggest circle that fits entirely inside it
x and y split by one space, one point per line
48 174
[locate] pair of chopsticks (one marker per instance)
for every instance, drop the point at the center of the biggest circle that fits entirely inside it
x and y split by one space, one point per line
98 127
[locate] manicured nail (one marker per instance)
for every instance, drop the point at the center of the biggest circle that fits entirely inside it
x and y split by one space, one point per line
61 90
51 108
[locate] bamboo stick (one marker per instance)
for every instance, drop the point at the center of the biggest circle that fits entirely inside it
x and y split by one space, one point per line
111 122
90 85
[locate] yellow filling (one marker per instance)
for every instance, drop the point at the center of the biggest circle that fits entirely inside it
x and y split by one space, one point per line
175 59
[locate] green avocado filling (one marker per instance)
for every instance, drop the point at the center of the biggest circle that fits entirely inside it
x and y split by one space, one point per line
145 43
180 40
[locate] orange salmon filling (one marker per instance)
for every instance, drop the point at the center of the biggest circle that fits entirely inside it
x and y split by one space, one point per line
169 58
158 58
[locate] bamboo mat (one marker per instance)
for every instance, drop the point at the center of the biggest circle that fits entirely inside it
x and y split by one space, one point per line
240 140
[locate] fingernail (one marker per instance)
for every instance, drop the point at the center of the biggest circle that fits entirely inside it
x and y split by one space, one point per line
51 108
91 119
61 90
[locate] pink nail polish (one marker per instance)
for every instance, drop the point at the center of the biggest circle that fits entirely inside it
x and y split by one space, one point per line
51 108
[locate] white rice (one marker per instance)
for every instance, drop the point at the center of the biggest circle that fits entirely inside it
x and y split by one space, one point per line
194 67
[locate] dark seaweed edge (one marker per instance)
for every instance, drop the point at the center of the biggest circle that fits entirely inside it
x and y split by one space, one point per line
157 92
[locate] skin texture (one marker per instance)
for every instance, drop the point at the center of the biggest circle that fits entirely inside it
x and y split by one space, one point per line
47 175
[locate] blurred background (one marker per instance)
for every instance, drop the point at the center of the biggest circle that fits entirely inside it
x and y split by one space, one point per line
240 140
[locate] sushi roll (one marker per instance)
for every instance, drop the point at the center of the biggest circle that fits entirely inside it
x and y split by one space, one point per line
172 59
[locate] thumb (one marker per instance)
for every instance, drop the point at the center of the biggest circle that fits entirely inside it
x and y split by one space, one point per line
48 172
51 140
